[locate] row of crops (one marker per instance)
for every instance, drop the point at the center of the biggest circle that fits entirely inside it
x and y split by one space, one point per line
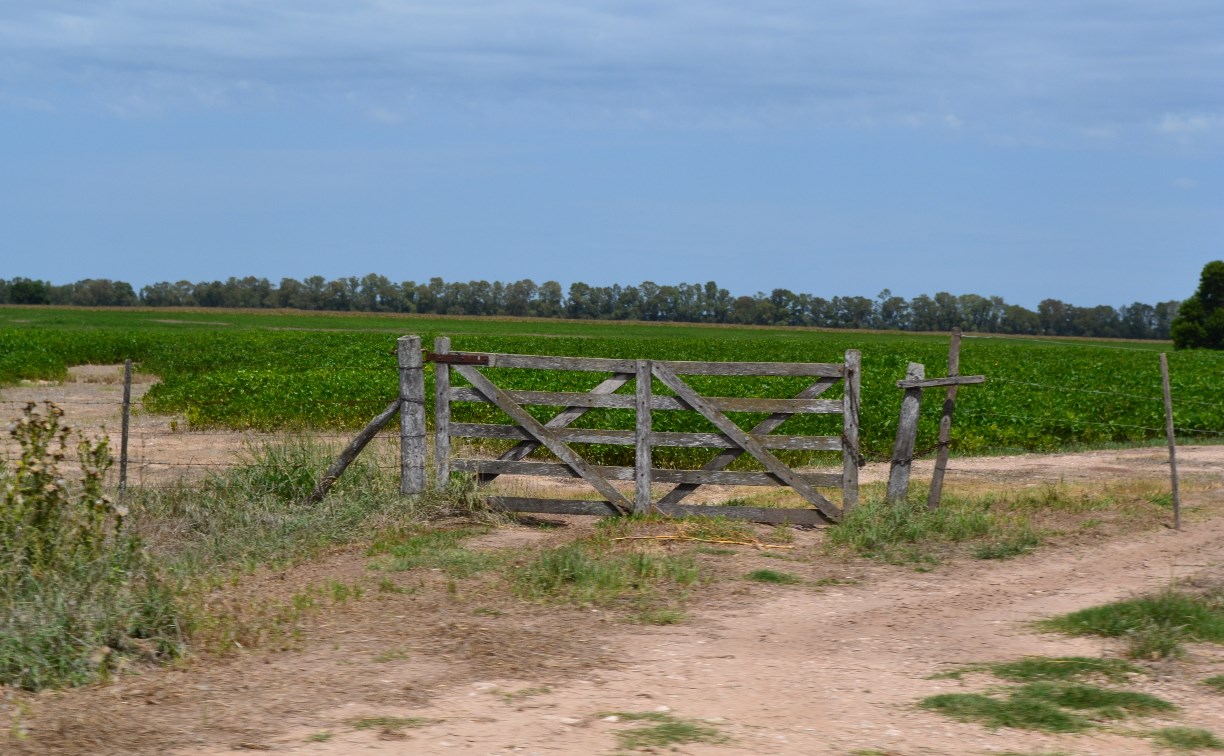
301 371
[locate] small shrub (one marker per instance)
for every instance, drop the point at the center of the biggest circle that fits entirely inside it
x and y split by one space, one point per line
1153 641
78 596
904 532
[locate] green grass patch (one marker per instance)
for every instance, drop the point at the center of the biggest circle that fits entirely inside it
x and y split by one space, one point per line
993 712
1043 668
1045 706
389 724
1156 626
664 731
1016 544
701 528
515 696
434 549
907 532
1037 668
774 577
1186 739
1216 683
586 573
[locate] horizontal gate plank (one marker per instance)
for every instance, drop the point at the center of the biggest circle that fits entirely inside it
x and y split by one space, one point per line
767 515
658 438
604 365
626 401
555 470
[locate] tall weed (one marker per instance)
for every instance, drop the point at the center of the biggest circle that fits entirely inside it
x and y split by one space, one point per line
79 598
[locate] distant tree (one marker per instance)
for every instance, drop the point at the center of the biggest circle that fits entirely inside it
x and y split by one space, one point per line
29 291
1017 319
892 312
1200 321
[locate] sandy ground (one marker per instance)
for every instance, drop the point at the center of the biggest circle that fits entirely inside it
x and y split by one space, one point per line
778 670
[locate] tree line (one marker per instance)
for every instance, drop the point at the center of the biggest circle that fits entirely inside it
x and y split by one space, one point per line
687 303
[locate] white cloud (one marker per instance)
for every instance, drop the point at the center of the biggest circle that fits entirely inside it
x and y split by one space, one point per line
1173 123
1185 183
688 61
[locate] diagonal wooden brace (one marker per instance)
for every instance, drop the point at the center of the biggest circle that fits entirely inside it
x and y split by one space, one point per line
745 441
544 436
561 420
768 425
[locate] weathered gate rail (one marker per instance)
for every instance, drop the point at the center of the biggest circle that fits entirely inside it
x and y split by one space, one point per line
556 436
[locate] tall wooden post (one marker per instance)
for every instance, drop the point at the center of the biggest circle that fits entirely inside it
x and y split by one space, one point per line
1168 403
907 434
642 464
126 423
412 415
945 424
853 384
442 414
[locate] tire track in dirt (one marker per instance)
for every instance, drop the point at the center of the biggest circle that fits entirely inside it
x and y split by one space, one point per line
799 671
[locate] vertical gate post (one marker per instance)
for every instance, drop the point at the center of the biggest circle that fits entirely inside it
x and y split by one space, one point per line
412 415
945 424
442 414
1168 403
127 417
850 429
907 433
642 461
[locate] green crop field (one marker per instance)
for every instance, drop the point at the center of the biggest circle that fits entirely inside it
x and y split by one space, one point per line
275 370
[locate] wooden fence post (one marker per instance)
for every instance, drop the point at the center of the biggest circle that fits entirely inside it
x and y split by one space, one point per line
442 414
907 433
1168 403
643 461
945 424
412 415
850 429
127 415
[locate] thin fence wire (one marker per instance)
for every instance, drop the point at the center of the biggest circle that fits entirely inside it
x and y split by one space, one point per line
993 337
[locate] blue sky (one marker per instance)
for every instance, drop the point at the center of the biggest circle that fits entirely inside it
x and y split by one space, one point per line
1025 149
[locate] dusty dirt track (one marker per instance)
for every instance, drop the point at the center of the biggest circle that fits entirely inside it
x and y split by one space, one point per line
778 670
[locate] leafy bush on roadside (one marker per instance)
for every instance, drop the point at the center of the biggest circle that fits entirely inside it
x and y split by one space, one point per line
78 597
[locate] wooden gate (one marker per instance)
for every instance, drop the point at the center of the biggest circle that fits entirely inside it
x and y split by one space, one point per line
557 436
